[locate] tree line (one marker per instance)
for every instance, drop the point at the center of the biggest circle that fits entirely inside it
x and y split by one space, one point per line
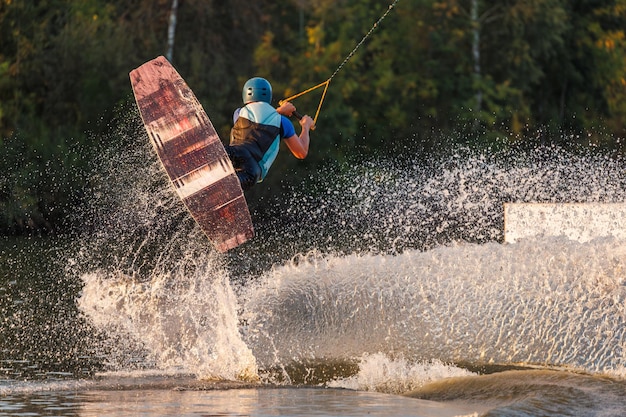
469 71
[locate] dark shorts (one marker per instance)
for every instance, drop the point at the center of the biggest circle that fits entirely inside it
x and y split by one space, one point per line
247 168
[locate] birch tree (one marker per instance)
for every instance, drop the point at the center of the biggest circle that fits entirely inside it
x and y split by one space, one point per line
171 31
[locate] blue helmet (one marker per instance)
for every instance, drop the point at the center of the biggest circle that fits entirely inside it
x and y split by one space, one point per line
256 89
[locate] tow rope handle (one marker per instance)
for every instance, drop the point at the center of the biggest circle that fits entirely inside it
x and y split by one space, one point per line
319 107
296 114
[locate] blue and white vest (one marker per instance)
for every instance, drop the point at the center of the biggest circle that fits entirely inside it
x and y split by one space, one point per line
258 129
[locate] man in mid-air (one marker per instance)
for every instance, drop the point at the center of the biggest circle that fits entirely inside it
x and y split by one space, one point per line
257 132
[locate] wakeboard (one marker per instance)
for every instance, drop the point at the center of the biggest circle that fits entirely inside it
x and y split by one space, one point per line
192 154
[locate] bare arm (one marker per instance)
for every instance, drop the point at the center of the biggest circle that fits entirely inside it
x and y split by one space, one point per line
298 145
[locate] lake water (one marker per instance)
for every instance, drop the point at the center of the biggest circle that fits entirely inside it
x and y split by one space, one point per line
387 293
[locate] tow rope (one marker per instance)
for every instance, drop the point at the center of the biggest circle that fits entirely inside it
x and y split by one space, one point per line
326 83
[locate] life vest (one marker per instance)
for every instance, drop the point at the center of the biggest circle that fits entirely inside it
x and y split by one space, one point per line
258 129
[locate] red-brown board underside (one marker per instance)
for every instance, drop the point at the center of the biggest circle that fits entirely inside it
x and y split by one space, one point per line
192 154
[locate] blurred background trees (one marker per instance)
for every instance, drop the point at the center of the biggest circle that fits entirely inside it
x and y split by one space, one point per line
465 71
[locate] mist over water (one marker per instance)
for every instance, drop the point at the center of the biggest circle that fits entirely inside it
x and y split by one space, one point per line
387 265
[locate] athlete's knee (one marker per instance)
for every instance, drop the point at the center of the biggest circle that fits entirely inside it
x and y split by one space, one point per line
247 168
246 180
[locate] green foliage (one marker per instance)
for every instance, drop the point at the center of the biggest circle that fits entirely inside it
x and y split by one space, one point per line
64 69
604 44
54 82
431 69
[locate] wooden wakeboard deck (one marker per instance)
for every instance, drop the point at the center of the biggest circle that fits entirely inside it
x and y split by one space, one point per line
192 154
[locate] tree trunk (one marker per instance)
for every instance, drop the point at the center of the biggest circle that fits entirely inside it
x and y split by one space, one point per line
171 31
476 53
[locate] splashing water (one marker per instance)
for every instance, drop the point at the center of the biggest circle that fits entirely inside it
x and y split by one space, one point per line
383 207
549 301
189 323
152 282
379 373
384 265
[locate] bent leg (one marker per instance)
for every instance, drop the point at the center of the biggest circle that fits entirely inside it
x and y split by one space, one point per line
246 167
